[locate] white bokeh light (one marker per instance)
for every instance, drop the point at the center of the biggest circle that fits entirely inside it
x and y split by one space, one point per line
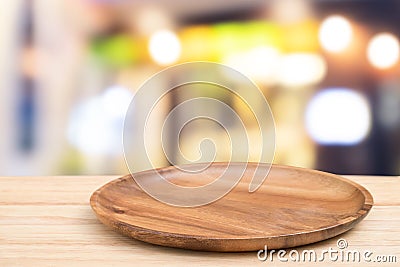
300 69
96 125
259 63
335 33
383 50
338 116
164 47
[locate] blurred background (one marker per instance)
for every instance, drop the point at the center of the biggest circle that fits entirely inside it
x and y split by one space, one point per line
329 69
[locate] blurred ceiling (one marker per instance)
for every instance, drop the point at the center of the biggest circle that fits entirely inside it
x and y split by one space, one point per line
184 9
205 11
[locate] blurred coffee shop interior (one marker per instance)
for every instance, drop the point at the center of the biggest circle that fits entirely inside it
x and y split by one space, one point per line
329 69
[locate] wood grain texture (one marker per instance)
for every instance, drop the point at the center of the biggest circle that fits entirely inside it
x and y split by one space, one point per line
293 207
47 221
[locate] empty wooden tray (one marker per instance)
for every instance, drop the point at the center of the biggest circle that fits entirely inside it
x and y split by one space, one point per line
293 207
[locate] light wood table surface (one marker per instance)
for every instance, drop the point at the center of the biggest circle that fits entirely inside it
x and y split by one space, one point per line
47 221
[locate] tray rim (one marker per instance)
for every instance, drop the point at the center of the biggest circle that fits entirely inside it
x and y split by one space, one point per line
136 232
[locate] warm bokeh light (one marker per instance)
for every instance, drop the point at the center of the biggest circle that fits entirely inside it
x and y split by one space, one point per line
259 63
335 33
300 69
291 11
383 50
338 116
300 37
149 19
199 43
164 47
96 123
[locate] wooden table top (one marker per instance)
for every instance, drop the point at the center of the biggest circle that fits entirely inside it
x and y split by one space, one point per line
47 221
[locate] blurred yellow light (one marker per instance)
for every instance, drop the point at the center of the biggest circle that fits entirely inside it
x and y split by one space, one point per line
335 33
300 37
198 43
164 47
300 69
338 116
234 38
383 50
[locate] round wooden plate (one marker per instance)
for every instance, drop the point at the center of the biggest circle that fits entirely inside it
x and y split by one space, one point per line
292 207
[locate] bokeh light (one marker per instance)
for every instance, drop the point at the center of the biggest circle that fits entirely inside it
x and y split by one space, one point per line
291 11
300 69
335 33
383 50
338 116
96 125
259 64
149 19
164 47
